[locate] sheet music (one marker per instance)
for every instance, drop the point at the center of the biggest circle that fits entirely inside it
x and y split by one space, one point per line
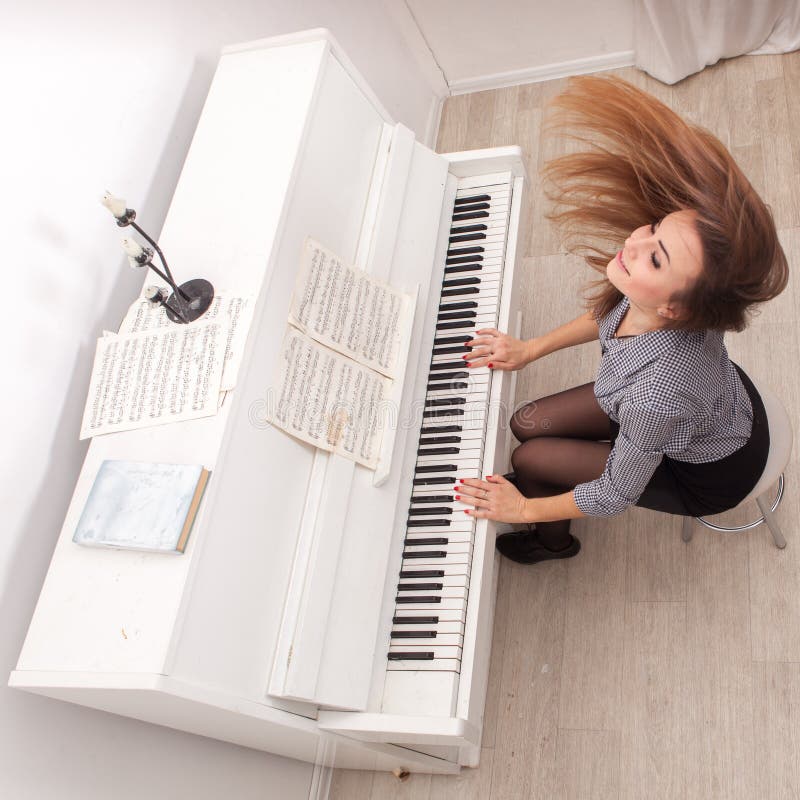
328 400
349 311
238 311
155 377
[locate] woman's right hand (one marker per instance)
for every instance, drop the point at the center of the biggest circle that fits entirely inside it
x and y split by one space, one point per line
496 350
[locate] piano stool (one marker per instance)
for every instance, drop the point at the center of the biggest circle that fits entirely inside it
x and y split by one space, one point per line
780 449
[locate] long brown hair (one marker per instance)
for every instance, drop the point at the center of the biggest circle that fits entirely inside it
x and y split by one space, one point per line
638 162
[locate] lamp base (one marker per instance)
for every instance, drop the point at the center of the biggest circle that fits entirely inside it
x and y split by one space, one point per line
200 293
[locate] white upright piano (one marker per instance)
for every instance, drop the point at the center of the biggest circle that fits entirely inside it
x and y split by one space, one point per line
318 602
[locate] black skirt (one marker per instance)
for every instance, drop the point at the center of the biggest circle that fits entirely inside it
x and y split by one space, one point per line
680 487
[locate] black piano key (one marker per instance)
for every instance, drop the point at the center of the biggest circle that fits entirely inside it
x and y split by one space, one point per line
444 412
457 315
463 259
412 635
410 656
447 365
424 554
436 468
432 498
416 512
438 451
454 386
451 326
469 237
441 429
420 587
478 198
458 292
463 251
480 226
431 481
426 440
428 542
399 620
457 306
447 376
462 268
472 215
422 573
451 339
446 401
459 209
461 282
422 523
446 351
421 598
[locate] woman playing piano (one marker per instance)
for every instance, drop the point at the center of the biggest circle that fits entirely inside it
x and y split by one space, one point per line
687 248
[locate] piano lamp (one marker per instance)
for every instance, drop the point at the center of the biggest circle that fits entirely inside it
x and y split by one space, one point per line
188 301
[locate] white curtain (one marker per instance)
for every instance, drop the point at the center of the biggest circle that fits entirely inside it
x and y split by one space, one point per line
674 38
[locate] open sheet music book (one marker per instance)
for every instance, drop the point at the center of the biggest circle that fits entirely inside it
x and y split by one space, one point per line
342 349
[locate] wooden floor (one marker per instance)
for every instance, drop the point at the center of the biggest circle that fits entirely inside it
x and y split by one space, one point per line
644 668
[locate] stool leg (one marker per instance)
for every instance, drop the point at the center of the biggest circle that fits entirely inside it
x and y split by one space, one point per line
688 525
772 523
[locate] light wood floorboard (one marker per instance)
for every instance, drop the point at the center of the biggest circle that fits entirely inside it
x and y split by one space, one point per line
645 667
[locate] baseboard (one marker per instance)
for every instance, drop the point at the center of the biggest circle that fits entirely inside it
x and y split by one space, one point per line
547 72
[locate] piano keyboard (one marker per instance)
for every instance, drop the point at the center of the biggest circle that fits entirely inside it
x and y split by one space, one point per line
433 584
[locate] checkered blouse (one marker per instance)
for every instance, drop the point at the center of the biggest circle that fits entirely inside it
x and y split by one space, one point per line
672 393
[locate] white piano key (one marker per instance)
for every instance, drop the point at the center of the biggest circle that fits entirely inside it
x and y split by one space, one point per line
458 561
497 190
439 651
466 472
440 640
465 434
445 580
468 420
477 391
447 306
472 409
445 617
457 526
449 571
436 665
453 603
446 593
453 536
413 554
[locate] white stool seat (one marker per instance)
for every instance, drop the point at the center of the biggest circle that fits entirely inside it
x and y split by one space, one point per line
781 436
780 440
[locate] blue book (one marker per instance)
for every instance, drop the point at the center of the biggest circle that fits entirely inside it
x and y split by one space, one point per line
138 505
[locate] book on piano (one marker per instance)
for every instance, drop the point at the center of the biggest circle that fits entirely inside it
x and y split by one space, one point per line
142 506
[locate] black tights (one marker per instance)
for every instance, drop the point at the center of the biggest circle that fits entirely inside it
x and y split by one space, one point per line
560 447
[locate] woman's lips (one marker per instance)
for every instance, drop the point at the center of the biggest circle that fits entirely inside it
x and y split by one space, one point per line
622 266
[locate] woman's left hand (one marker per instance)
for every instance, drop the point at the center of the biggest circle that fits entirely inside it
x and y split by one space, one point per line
495 498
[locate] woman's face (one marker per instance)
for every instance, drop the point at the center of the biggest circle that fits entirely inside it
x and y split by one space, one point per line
658 261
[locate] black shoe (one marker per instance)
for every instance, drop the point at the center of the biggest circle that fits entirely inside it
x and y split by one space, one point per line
524 547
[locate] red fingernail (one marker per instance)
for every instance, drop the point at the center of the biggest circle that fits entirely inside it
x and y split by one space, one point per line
490 366
458 497
466 511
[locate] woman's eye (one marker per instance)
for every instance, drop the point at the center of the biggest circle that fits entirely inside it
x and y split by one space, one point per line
656 262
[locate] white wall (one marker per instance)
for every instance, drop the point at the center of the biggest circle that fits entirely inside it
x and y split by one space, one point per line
102 95
471 39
